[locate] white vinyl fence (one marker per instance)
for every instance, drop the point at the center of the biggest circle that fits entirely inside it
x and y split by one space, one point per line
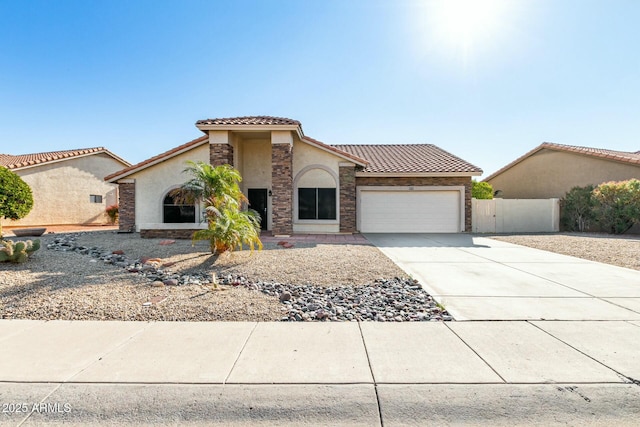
515 215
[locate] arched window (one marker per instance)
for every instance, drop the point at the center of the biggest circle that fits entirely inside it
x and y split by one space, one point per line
316 193
177 213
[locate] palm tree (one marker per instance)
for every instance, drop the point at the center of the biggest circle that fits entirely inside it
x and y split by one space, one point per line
217 188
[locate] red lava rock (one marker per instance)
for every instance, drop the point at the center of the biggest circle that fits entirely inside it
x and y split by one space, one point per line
287 245
167 242
145 259
168 264
118 252
282 243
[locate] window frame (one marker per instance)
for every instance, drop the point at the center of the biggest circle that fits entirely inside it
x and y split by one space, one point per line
165 205
316 208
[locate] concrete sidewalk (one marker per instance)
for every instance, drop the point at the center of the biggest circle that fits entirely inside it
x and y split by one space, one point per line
477 278
164 373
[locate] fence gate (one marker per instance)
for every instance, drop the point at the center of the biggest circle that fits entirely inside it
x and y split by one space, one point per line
483 216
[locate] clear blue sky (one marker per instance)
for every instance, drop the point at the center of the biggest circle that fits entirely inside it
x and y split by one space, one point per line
487 84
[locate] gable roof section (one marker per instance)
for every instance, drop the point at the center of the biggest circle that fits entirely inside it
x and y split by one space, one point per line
22 161
156 159
410 159
617 156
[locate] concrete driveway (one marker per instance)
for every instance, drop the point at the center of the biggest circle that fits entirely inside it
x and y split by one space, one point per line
477 278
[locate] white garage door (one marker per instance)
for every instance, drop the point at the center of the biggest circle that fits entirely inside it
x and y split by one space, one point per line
402 211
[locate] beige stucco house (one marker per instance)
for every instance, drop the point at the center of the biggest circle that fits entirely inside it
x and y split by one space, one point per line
301 185
68 186
550 170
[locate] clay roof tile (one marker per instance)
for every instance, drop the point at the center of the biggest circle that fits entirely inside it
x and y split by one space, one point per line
409 158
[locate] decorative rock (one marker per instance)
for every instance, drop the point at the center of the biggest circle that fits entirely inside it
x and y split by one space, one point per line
118 252
285 296
394 299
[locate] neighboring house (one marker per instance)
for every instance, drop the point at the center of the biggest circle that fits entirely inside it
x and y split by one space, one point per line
301 185
550 170
68 186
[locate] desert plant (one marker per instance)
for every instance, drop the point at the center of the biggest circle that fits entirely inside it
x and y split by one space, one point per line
16 198
617 205
218 189
17 251
577 209
481 190
112 213
232 229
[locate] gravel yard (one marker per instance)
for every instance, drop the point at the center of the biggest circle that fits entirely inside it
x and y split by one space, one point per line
319 281
69 285
623 251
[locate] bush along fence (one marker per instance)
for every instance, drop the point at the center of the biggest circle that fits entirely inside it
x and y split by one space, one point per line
613 207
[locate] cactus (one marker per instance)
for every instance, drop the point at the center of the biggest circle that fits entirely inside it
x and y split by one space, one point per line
35 245
18 251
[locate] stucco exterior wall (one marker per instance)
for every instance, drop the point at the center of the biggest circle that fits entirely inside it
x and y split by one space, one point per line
61 191
550 174
305 155
254 163
152 185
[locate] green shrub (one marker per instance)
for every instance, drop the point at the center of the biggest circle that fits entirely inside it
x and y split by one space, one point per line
16 199
617 205
577 209
481 190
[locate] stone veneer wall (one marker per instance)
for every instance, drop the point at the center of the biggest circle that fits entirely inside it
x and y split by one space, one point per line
416 181
347 199
167 234
127 206
220 154
282 188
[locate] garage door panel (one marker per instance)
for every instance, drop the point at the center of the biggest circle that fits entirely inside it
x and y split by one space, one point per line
409 211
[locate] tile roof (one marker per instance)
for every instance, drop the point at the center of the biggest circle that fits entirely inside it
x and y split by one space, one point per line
618 156
249 120
158 158
24 160
409 158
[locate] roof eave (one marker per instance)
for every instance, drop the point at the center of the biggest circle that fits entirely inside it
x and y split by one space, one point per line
561 148
335 151
251 128
118 176
416 174
13 167
516 161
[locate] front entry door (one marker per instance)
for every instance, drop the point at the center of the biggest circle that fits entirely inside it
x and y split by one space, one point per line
258 202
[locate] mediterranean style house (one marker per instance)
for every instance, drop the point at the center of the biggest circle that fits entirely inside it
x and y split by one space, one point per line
551 170
301 185
68 186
